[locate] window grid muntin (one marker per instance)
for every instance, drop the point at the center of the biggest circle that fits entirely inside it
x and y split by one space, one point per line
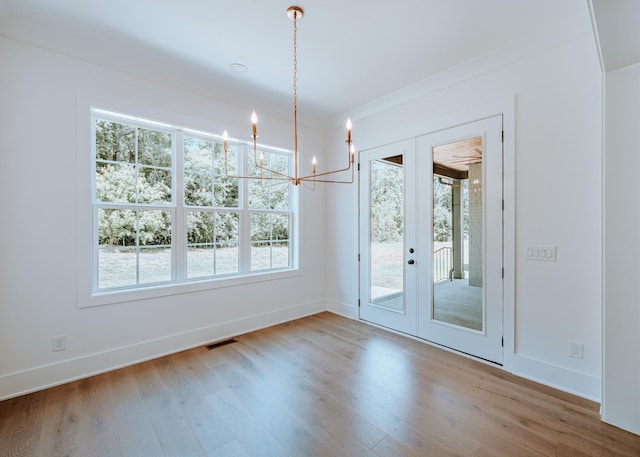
136 165
270 240
215 243
137 247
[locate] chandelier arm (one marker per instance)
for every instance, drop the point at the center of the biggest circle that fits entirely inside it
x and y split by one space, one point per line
284 178
341 170
263 168
329 181
275 172
281 176
307 179
311 187
277 182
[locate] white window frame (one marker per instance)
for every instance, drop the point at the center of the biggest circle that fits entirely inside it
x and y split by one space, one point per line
90 295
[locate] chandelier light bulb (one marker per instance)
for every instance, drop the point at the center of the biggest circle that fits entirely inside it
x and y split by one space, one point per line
254 123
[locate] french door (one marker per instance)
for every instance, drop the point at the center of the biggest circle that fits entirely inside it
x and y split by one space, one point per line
388 280
431 237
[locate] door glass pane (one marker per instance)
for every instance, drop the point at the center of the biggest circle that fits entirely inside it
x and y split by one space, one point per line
386 245
458 276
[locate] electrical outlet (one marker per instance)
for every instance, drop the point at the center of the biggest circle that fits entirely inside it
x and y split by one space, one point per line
575 349
59 343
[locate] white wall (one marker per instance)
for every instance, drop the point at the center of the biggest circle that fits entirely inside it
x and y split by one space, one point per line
621 402
40 94
554 80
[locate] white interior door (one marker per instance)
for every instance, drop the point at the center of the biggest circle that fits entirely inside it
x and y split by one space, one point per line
387 233
460 288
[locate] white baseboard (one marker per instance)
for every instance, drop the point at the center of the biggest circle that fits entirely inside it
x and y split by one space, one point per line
342 309
42 377
574 382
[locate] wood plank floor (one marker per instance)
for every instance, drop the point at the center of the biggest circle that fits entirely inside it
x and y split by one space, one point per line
319 386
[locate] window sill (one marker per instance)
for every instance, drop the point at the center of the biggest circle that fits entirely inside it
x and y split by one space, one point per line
144 293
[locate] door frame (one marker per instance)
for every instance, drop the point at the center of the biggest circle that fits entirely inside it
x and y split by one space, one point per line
504 106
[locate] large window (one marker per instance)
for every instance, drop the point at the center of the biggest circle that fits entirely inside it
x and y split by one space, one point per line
166 211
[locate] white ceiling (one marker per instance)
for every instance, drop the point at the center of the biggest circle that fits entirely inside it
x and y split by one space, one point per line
618 25
349 52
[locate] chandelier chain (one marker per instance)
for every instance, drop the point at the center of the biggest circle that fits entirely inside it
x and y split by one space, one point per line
295 59
295 97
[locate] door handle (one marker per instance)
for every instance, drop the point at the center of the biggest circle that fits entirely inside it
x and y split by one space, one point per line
411 261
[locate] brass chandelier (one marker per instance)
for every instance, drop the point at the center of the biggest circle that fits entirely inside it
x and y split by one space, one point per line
295 13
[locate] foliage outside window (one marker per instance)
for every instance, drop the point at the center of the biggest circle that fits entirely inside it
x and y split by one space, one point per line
443 209
166 212
387 202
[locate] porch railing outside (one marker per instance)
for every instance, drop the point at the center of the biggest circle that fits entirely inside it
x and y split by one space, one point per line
443 264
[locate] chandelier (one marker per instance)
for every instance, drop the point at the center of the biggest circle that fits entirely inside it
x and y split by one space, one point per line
295 13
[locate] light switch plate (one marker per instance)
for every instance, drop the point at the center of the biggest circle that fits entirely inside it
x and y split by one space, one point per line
543 253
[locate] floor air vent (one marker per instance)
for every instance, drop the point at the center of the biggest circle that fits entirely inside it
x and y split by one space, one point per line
220 343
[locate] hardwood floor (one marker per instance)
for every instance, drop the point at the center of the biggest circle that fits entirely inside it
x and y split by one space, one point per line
319 386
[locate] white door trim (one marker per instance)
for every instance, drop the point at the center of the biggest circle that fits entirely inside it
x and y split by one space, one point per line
506 107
